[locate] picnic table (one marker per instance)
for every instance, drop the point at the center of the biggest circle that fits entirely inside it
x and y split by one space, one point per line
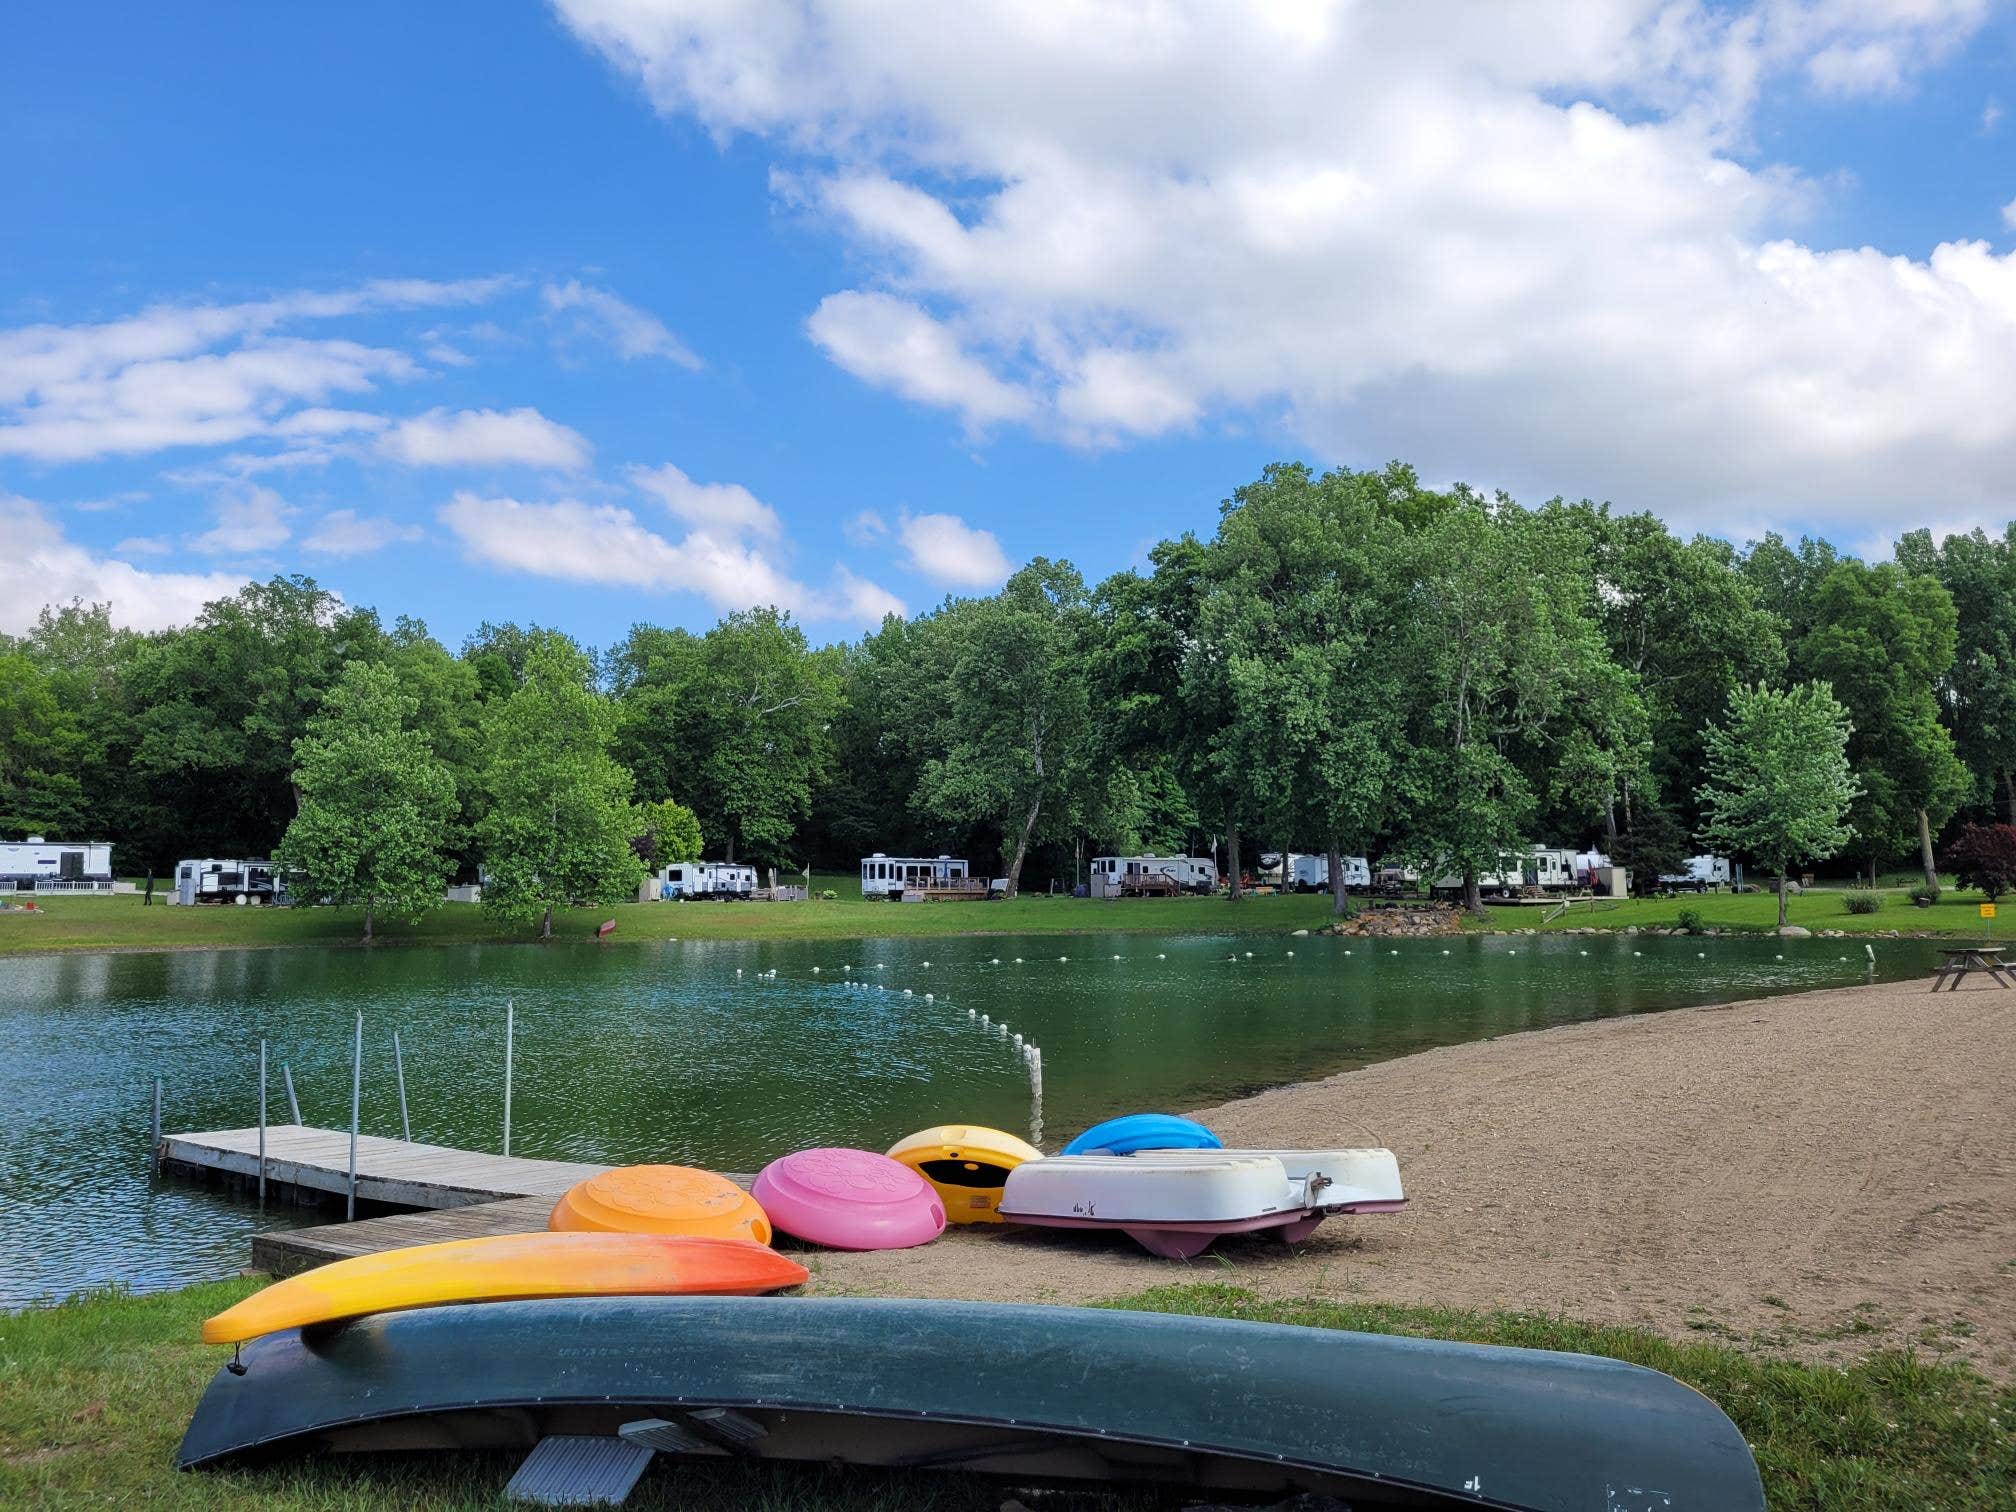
1962 959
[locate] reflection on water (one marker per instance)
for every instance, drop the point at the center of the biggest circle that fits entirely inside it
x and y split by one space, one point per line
662 1052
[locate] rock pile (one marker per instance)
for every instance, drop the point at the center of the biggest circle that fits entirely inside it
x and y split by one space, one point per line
1416 919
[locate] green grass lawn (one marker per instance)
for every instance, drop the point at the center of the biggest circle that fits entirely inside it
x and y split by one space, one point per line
94 1396
103 923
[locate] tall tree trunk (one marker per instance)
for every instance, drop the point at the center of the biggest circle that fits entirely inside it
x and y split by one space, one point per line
1340 889
1781 897
1022 848
1232 861
730 857
546 924
1872 871
2009 788
370 909
1925 849
1610 824
1473 896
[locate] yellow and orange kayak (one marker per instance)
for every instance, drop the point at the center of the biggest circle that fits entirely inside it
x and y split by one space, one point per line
661 1199
509 1267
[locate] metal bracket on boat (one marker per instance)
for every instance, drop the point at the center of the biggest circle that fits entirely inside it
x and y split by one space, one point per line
579 1470
706 1430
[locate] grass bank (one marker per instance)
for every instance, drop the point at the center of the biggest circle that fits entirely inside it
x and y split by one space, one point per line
94 1396
121 923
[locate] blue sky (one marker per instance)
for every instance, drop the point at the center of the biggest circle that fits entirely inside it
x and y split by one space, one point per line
426 300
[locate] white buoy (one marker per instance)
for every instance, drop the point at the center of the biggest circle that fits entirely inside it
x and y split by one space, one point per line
984 1021
1513 951
1637 952
1585 952
1116 958
1249 955
1063 958
927 963
846 968
1392 952
1347 952
972 1013
1777 958
1160 956
1018 960
996 961
930 997
907 992
815 971
1700 955
738 971
1445 952
1291 955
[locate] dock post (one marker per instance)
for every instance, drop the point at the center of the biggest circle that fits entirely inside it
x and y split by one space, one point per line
399 1070
262 1126
154 1150
287 1075
356 1109
509 1026
1034 1057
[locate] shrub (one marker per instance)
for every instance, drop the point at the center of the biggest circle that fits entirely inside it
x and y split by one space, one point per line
1863 902
1924 893
1691 920
1985 857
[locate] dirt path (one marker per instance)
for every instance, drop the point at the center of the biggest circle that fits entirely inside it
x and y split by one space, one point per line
1821 1174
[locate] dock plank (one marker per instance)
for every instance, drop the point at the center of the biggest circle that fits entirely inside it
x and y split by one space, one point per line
283 1252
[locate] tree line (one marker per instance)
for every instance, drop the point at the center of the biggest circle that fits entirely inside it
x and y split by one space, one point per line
1351 663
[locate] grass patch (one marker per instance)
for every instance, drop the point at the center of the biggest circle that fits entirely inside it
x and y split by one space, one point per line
1892 1431
120 922
94 1396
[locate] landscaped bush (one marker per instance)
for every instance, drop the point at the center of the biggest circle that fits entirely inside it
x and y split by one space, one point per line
1691 920
1863 902
1985 857
1925 894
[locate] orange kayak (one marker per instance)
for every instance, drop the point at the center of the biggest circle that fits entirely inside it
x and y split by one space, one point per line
509 1267
661 1199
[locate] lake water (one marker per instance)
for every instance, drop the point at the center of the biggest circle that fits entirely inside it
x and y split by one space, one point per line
661 1052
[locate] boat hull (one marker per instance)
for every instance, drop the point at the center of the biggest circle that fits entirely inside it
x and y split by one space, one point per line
1066 1393
507 1267
967 1166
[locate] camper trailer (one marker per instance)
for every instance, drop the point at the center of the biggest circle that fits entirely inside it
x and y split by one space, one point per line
1702 873
891 877
214 881
1549 870
688 881
55 866
1503 883
1309 874
1152 876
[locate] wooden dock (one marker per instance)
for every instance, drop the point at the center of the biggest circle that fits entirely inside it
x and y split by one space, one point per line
458 1194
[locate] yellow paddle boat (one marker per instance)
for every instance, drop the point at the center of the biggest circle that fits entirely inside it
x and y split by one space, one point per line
661 1199
967 1164
508 1267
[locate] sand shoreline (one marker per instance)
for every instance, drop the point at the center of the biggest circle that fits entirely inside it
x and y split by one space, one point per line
1819 1174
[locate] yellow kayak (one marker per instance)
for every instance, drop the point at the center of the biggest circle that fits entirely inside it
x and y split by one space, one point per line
968 1165
508 1267
661 1199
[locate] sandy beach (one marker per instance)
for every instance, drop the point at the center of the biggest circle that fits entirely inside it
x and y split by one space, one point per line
1821 1174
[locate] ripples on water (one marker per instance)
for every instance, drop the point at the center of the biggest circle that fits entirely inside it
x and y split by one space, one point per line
660 1051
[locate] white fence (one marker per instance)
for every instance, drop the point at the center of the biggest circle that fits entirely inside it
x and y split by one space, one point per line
72 885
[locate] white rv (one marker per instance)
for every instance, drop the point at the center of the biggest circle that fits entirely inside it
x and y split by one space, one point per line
55 866
1490 884
1147 876
684 881
1308 874
889 877
1549 870
1702 873
214 881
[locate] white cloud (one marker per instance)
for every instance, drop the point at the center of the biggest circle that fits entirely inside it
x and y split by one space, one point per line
343 532
899 346
485 438
252 520
194 375
865 528
1991 117
2009 214
945 549
1520 243
142 546
726 509
631 331
40 566
605 544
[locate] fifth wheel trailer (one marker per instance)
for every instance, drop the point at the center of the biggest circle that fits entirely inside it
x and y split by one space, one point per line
1146 876
53 866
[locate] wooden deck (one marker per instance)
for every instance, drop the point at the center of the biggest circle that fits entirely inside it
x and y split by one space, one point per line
285 1251
393 1172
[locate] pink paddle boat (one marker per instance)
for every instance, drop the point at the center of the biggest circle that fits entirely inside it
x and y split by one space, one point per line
850 1200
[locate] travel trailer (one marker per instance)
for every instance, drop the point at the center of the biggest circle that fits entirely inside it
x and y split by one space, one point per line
1308 874
1491 884
685 881
213 881
1702 873
1549 870
889 877
1152 876
55 866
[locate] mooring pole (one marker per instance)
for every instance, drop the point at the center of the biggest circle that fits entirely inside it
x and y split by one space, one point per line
356 1110
1035 1059
509 1026
287 1075
262 1126
154 1156
399 1070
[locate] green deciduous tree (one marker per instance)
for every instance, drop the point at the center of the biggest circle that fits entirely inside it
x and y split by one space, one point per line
1978 692
1779 782
378 807
40 744
557 824
667 831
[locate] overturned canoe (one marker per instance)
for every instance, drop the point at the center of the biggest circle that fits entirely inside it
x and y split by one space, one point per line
1033 1392
505 1267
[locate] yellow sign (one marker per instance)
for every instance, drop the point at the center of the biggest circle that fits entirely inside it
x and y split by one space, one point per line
1987 910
